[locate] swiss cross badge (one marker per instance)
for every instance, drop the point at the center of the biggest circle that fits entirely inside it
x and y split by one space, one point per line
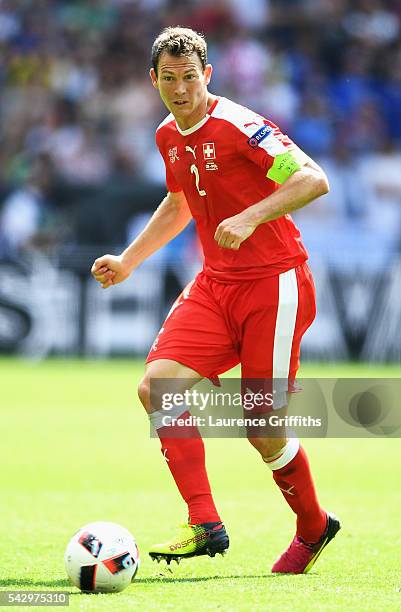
209 152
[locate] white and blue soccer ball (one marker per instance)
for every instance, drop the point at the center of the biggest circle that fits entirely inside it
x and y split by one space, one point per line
102 557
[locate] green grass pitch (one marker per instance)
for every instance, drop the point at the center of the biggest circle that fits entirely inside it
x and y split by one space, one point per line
75 448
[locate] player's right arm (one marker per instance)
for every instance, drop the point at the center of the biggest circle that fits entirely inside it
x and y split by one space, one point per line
170 218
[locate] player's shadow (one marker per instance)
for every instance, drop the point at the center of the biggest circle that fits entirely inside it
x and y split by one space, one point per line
172 579
29 582
66 586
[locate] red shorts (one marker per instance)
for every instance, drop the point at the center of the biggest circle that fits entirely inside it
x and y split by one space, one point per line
213 326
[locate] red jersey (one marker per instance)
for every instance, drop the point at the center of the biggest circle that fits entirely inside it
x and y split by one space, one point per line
221 164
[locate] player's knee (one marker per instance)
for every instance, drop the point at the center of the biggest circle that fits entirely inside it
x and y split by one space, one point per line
267 447
144 393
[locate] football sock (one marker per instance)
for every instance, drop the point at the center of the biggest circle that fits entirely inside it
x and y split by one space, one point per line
184 452
291 473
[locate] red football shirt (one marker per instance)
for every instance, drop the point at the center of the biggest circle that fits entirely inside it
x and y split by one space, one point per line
221 165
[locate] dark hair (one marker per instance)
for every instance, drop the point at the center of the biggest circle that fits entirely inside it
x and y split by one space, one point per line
179 41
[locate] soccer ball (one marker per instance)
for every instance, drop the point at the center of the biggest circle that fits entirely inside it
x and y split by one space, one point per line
102 558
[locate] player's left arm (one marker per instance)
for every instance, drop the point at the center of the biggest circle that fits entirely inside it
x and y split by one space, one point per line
298 189
300 185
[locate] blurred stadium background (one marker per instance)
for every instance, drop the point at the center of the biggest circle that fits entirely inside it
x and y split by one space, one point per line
80 173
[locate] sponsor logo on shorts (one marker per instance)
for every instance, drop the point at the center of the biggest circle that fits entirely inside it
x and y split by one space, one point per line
260 135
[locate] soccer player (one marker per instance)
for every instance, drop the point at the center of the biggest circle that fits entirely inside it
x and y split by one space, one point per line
238 177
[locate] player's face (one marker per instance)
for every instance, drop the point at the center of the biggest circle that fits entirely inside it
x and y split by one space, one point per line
182 84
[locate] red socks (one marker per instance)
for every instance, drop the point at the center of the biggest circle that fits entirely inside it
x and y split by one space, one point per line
185 456
295 482
184 451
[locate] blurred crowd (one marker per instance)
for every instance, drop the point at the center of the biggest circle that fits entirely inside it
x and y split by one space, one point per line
77 107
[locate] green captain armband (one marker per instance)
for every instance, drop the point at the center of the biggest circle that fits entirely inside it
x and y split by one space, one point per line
285 164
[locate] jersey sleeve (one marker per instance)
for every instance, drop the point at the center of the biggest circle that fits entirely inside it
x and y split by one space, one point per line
273 151
171 182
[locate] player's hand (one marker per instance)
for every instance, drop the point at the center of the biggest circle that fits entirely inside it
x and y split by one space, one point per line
232 232
110 270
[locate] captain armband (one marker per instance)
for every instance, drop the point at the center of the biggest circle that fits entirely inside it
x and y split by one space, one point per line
285 164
